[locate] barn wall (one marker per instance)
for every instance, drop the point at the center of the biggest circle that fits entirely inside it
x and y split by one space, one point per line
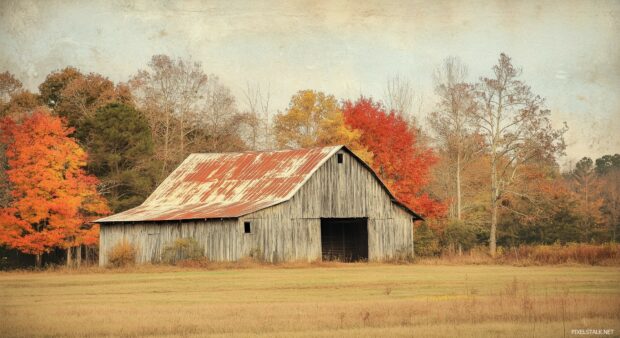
292 230
221 239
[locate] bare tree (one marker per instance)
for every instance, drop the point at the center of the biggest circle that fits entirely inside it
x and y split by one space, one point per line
257 100
516 129
399 95
221 122
171 94
454 121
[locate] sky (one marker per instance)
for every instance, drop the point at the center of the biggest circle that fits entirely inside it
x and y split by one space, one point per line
569 50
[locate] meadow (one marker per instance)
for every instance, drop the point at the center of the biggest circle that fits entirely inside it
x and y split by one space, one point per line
355 300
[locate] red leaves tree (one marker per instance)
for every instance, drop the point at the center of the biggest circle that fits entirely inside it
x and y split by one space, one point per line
52 198
401 164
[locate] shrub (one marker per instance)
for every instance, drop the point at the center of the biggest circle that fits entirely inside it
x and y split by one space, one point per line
425 241
122 254
459 236
403 255
182 249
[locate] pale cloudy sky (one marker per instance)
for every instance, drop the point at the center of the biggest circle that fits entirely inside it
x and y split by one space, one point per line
569 50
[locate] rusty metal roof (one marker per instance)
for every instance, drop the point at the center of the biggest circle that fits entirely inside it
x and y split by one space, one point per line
228 185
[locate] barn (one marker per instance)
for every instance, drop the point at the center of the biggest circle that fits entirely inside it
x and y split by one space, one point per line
303 204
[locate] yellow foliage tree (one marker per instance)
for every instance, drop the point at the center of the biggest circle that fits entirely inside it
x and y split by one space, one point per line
314 119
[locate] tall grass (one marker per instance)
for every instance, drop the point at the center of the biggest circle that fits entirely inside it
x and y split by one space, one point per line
526 255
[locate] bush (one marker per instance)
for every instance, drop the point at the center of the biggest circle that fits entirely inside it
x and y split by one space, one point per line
404 255
122 254
425 242
459 236
182 249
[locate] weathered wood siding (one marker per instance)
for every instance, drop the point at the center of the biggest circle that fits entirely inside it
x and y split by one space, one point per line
287 231
292 230
220 239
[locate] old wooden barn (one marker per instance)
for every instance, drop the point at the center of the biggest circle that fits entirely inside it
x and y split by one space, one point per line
305 204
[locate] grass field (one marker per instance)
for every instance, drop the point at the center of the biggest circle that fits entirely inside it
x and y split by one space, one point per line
346 300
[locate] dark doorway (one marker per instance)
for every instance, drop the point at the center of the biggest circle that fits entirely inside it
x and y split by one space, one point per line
344 239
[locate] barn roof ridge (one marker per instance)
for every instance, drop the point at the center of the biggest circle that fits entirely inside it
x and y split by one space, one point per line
234 184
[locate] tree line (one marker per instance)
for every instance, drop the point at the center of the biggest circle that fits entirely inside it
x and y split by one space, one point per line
485 173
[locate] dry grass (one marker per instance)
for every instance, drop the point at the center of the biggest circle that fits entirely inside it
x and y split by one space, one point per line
361 300
535 255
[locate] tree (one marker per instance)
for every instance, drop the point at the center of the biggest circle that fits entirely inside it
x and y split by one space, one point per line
301 125
50 90
404 167
547 213
516 130
400 97
9 86
315 119
453 122
171 93
81 97
220 126
607 163
121 151
52 197
608 171
15 102
587 186
257 102
21 104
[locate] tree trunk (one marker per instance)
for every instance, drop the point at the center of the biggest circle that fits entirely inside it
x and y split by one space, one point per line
69 257
492 240
78 255
458 186
494 204
38 260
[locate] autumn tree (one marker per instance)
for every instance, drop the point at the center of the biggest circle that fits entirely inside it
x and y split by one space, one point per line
404 167
75 96
545 211
608 171
516 129
120 155
587 185
50 90
52 197
84 95
16 103
454 124
21 104
316 119
9 86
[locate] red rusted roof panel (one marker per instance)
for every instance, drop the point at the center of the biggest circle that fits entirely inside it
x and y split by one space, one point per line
228 185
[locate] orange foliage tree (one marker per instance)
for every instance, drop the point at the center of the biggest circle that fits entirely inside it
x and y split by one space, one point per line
401 164
52 198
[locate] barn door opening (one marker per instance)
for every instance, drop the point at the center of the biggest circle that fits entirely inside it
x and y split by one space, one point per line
344 239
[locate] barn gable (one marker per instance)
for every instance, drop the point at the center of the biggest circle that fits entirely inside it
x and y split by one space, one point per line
343 188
